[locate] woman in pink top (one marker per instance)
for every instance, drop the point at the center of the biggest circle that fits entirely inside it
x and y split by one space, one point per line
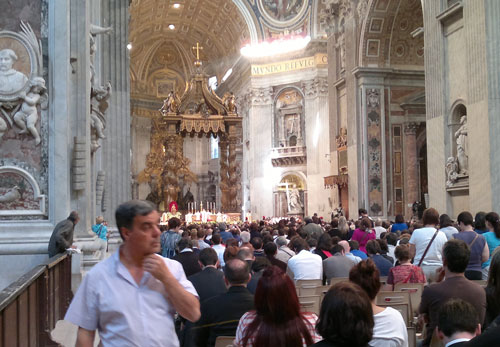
364 233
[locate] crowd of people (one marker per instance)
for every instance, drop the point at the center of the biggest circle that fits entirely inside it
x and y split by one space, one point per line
239 280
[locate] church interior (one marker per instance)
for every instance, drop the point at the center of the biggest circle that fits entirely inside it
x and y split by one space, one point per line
242 110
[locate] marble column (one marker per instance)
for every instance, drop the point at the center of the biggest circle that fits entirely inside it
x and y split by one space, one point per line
80 112
317 143
116 147
259 139
411 167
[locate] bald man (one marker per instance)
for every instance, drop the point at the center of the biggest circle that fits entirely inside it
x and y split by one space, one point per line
348 253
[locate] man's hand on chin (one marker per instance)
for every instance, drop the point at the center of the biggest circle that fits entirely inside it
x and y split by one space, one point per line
156 267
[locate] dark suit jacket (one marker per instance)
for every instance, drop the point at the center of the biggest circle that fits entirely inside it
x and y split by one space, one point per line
220 315
189 261
437 294
61 238
209 282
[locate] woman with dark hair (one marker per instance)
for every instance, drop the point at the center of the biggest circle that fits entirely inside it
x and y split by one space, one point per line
389 329
405 272
324 246
493 291
446 226
480 223
400 224
364 233
492 238
346 317
277 319
428 258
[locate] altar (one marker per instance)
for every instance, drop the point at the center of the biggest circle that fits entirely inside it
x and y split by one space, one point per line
200 112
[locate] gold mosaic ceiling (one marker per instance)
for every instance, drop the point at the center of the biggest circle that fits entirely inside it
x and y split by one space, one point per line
216 24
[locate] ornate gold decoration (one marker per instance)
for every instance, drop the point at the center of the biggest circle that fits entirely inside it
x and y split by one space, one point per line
199 111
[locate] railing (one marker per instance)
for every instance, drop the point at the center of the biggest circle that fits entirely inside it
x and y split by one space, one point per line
285 156
31 306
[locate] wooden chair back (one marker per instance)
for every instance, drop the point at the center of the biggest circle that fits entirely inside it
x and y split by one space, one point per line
310 303
415 290
308 287
224 341
336 280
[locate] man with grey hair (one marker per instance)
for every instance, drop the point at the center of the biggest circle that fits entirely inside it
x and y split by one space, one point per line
379 229
245 239
62 236
284 253
131 297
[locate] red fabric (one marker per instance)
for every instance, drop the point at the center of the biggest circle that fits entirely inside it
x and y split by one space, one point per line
328 254
173 203
406 274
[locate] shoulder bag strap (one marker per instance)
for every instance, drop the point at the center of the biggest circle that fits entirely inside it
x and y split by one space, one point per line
427 249
475 238
364 237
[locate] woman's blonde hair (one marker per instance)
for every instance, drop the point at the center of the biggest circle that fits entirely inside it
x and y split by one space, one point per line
99 220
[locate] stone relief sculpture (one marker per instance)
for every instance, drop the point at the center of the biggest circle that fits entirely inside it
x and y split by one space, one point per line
11 80
27 117
11 195
22 89
295 204
373 98
99 94
462 147
451 171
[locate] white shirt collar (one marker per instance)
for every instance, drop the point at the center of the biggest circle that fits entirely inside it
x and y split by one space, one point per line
457 341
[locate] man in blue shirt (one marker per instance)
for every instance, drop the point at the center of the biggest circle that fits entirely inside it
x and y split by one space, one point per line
170 238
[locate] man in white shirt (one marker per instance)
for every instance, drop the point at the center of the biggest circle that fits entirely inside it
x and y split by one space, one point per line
458 323
419 240
131 297
304 265
379 229
219 248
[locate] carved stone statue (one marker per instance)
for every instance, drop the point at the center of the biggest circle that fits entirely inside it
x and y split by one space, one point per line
98 107
94 31
170 104
342 138
11 80
342 51
462 147
451 171
294 201
27 117
229 101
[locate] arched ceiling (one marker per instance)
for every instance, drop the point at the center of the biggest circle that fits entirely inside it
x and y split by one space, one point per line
217 25
388 38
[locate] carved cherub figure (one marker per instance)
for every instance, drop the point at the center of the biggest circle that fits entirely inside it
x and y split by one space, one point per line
27 116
